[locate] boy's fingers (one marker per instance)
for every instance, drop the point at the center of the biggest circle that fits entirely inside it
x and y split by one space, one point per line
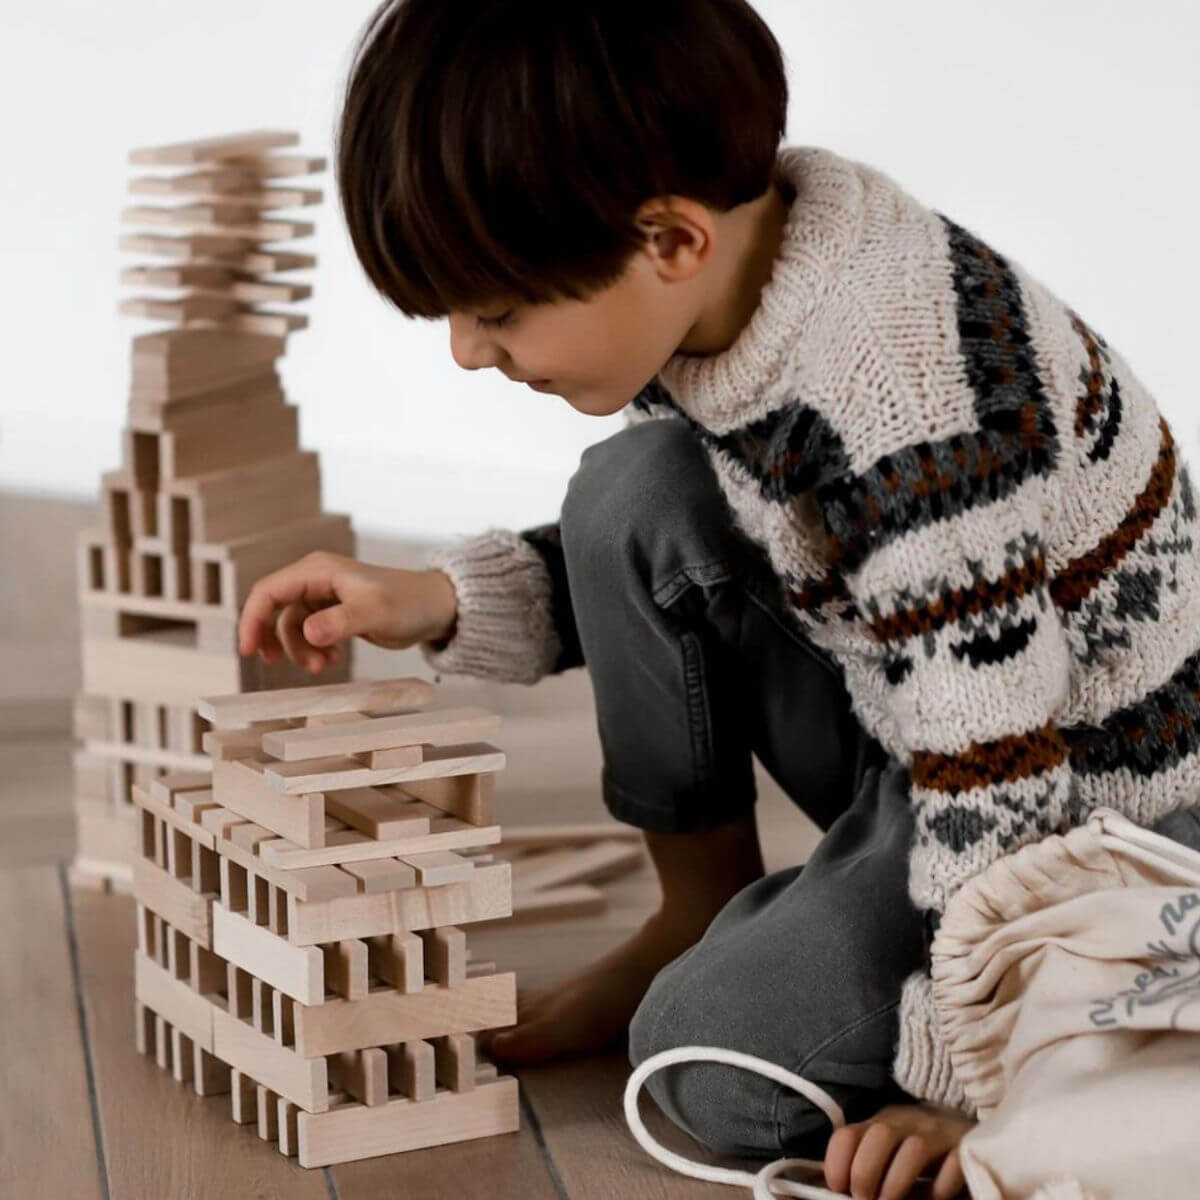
289 631
310 580
909 1162
950 1179
337 623
839 1154
872 1158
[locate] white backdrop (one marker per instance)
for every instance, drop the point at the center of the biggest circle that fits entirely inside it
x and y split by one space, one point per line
1065 134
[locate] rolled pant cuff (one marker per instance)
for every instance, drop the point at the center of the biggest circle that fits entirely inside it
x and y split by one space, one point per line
705 806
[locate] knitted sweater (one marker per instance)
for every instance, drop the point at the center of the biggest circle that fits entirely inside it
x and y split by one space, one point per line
970 501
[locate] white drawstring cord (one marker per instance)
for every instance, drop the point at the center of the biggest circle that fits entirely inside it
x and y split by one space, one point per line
764 1183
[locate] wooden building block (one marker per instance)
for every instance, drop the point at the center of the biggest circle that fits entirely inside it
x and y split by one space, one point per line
444 726
397 756
346 969
331 774
352 846
165 667
386 1016
412 1070
288 1138
376 875
187 910
487 896
213 149
210 1076
239 785
243 1096
351 1132
440 866
236 710
455 1061
173 1000
297 970
268 1114
555 868
398 959
468 797
574 900
262 1009
303 1080
445 955
240 993
378 812
285 1028
362 1074
226 744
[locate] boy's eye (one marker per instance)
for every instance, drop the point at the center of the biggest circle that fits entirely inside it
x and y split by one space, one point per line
496 322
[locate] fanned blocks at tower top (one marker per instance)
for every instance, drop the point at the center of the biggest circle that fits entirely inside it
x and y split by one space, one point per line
305 950
214 490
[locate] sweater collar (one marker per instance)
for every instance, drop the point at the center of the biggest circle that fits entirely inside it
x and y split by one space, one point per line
722 391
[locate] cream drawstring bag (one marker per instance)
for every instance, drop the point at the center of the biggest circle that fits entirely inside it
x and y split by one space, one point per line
1067 981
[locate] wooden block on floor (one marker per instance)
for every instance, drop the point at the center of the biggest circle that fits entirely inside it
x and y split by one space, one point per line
268 1114
574 900
556 868
357 1131
441 866
288 1139
243 1096
412 1070
378 812
210 1076
486 896
240 709
386 1016
440 727
445 955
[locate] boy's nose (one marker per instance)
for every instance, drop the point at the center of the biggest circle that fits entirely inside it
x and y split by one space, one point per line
470 347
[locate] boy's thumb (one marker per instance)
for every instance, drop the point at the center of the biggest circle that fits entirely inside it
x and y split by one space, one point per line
330 625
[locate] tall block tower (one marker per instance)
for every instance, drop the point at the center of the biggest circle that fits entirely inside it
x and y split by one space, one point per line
213 490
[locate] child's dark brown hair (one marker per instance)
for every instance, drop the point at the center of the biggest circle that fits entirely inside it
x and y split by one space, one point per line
499 149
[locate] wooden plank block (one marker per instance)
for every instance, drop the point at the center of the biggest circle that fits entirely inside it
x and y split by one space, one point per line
386 1016
546 837
288 1135
469 797
412 1070
378 813
575 900
302 1080
263 431
210 1076
284 1019
397 756
175 902
443 726
308 884
226 744
176 820
268 1113
243 1094
440 866
556 868
213 149
297 970
241 709
353 846
487 896
455 1061
331 774
173 1000
45 1089
357 1131
445 955
144 669
347 969
398 959
239 785
376 875
362 1074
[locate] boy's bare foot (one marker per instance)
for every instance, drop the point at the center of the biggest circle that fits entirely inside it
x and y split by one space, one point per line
880 1159
593 1009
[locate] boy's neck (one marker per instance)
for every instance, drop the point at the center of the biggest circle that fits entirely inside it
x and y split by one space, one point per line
753 233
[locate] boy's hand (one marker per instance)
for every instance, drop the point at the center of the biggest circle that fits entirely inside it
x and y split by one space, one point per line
307 608
882 1157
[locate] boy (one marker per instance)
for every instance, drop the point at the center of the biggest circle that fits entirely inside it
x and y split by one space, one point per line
885 513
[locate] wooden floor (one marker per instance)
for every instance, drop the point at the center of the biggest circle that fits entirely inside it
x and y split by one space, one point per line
82 1115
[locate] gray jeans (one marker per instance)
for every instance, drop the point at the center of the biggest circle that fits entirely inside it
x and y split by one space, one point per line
695 667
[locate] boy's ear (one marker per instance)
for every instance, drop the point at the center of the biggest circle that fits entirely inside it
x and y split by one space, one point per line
667 229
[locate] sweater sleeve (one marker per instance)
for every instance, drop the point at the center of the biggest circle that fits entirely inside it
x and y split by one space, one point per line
515 621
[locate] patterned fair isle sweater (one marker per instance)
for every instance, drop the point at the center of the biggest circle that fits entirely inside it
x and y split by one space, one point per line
970 501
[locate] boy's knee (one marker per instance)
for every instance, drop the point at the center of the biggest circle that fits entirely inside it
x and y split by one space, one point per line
632 477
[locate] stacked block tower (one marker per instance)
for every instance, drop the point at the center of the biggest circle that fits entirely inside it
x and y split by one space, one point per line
213 490
301 914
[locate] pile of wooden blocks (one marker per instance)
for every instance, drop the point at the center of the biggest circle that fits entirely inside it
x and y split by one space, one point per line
213 491
300 913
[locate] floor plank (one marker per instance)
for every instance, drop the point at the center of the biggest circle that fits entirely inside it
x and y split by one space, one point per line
46 1141
160 1138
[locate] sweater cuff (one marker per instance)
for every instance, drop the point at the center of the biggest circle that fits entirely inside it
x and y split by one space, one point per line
922 1064
505 629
